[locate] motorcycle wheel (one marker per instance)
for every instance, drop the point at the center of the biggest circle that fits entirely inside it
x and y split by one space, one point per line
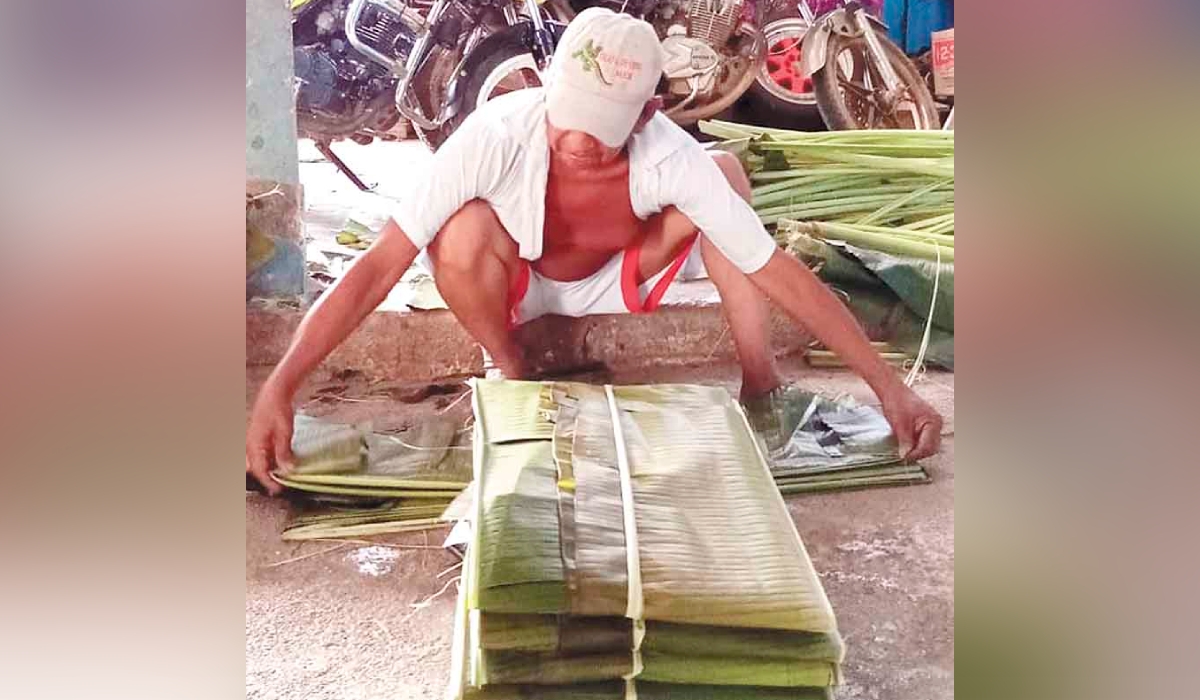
844 88
506 68
779 88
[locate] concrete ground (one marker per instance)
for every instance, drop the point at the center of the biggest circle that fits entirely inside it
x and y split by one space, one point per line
337 620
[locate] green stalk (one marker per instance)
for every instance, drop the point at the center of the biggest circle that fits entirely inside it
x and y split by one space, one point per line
822 169
894 230
903 201
925 166
377 481
895 220
840 187
818 180
938 238
838 198
816 358
736 130
891 151
846 205
885 243
931 222
326 532
852 483
357 490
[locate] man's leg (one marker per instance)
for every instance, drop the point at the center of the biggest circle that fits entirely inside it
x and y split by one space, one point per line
747 309
474 262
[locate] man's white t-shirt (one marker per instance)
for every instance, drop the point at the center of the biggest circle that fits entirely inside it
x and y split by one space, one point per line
500 154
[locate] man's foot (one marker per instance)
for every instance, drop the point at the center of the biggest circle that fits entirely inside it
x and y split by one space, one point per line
763 410
511 365
755 390
777 414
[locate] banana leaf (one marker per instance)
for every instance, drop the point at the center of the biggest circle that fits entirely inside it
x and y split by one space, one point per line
345 455
737 671
645 691
574 636
521 570
567 635
395 516
696 569
875 307
356 482
548 668
912 280
730 596
321 447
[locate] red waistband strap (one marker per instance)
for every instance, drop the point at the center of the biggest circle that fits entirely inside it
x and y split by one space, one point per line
660 289
629 285
516 293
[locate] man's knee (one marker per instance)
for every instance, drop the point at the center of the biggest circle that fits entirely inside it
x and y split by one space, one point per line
732 168
470 234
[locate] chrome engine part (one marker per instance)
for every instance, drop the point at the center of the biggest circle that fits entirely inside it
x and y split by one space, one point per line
691 64
713 21
384 30
695 50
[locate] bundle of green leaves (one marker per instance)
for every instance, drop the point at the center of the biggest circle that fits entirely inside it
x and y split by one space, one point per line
633 537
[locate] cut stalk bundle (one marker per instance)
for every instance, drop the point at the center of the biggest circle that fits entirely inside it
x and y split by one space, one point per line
888 192
883 178
901 242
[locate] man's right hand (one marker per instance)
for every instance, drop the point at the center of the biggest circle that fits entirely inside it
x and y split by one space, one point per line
269 438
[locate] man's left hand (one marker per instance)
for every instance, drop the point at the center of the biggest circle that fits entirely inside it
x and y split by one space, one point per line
918 427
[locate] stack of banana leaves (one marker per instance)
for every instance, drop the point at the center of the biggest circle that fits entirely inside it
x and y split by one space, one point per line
353 482
871 211
631 542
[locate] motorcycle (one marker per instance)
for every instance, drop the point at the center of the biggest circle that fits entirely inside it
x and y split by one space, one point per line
362 66
838 61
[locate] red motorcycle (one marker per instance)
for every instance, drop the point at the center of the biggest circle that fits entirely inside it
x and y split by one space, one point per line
837 60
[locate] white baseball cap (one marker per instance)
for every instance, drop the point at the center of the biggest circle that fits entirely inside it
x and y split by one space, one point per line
604 70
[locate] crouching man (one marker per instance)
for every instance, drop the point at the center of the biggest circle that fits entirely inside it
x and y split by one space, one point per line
581 198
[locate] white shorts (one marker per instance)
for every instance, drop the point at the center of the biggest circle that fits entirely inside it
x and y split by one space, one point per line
612 289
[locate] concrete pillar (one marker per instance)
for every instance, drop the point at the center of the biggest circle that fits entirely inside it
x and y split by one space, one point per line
274 252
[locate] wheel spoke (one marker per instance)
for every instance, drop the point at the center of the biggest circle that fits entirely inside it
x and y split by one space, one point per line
859 90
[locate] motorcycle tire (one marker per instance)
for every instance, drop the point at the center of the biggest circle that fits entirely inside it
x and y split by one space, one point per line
772 95
829 96
507 49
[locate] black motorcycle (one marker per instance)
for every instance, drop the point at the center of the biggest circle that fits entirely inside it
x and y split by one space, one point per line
362 66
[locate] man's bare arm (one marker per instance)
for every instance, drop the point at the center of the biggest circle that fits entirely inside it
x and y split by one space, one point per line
343 306
791 285
330 321
794 287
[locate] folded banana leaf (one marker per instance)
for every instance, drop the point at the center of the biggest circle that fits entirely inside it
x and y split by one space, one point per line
395 516
730 604
904 328
574 636
548 668
335 454
696 470
645 691
321 447
912 280
832 444
358 482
